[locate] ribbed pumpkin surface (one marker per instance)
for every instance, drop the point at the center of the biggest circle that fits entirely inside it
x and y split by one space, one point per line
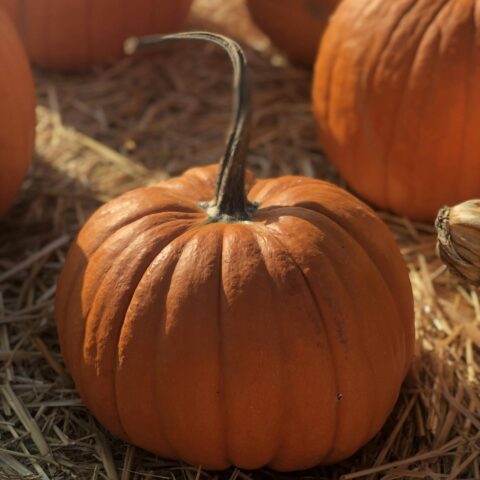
279 341
397 103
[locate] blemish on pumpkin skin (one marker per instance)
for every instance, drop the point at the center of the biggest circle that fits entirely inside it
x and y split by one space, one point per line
340 329
338 321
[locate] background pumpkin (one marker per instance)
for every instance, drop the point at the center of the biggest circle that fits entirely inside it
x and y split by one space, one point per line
17 113
77 34
270 331
396 101
294 26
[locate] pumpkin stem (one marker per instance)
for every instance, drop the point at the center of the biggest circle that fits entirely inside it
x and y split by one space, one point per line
230 202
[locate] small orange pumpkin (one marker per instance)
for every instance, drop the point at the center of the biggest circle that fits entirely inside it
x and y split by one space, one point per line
17 113
294 26
397 104
273 329
70 35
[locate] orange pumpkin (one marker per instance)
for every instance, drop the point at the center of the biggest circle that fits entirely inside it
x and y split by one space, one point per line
17 113
273 329
396 101
294 26
78 34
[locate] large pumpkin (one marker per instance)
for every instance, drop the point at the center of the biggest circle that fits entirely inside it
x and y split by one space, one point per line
17 113
274 330
78 34
397 103
294 26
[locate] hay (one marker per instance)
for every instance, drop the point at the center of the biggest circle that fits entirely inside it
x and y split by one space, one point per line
142 121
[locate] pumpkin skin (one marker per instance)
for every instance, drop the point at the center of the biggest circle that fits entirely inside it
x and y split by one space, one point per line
396 104
17 114
294 26
74 35
279 341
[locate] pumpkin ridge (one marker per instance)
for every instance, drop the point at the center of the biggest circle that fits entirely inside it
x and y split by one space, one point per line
331 75
264 184
221 355
370 81
174 453
174 240
389 288
148 229
326 213
192 236
369 365
389 291
134 321
263 232
373 73
194 208
88 314
401 101
342 283
269 197
138 216
368 361
176 196
468 105
67 296
155 388
400 324
311 293
176 235
427 101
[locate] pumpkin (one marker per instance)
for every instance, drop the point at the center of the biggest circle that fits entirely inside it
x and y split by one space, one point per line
17 114
78 34
272 325
294 26
396 102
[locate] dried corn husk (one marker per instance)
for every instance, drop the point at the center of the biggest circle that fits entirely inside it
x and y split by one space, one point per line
458 230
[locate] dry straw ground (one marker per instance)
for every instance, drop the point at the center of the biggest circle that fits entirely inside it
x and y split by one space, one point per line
145 120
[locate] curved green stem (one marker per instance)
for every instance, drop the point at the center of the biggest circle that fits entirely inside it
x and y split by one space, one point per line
230 199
